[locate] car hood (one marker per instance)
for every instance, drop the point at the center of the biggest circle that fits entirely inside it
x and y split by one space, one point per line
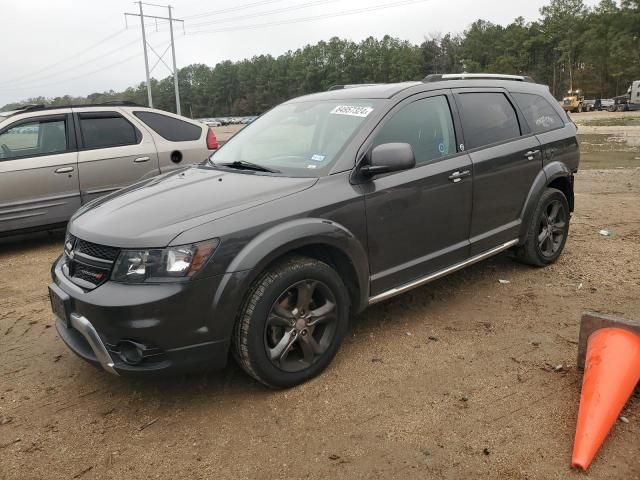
153 212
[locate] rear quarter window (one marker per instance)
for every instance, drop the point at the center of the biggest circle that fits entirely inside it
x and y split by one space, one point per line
538 112
170 128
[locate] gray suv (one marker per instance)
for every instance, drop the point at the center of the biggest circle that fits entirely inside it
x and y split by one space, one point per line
53 160
322 206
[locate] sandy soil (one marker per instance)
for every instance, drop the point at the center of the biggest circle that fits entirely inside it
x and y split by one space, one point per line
463 378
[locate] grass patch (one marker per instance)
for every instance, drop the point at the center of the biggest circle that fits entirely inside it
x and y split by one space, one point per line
612 122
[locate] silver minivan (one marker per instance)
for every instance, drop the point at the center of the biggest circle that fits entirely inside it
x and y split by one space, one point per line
53 160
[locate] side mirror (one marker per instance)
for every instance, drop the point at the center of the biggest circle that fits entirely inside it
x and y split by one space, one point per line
389 157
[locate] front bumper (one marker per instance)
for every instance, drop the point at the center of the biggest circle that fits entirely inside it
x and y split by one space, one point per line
83 339
178 327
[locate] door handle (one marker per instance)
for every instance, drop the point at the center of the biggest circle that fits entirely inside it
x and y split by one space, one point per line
64 170
141 159
455 177
530 155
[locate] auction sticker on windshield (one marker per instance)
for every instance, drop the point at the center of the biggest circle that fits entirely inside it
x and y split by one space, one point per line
352 110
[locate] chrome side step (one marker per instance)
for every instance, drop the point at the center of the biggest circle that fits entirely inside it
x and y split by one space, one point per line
441 273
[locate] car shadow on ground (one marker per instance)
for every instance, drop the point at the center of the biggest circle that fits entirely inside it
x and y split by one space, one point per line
16 244
232 381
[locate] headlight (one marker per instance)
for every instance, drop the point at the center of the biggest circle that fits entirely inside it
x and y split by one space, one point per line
137 266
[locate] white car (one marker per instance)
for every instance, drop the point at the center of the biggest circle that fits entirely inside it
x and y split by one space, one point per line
210 122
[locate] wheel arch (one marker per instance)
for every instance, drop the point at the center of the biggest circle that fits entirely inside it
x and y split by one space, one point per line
553 175
321 239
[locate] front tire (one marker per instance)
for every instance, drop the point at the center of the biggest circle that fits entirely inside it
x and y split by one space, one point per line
548 230
292 322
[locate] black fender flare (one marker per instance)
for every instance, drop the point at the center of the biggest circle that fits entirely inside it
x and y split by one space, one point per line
286 237
548 174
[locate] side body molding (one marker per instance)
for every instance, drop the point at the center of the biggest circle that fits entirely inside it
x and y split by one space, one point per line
549 173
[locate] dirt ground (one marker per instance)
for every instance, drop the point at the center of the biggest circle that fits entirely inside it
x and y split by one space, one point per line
464 378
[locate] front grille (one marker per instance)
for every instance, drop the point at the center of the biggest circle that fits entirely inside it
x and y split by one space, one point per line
98 251
88 273
89 264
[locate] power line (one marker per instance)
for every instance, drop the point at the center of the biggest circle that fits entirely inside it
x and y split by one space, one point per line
287 9
79 65
261 14
232 9
309 19
75 55
65 80
199 32
78 76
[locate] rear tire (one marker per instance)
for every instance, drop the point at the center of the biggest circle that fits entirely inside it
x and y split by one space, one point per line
548 230
292 322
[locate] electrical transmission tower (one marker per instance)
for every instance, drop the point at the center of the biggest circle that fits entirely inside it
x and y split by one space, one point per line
146 44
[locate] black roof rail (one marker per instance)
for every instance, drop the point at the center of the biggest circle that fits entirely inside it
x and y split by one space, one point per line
22 109
437 77
121 103
111 103
28 108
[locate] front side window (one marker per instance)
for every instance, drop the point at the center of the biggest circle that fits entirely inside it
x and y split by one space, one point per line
297 139
103 130
487 118
426 125
35 138
539 114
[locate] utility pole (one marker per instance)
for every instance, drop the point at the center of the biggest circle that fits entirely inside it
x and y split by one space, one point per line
146 44
146 57
175 70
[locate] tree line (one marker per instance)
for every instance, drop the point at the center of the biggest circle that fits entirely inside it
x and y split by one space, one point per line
570 46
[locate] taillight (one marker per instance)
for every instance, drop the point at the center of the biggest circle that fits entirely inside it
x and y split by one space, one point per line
212 141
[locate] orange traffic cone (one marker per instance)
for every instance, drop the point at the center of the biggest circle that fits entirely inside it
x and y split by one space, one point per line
611 372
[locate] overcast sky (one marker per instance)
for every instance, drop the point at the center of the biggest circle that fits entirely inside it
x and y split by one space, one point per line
50 46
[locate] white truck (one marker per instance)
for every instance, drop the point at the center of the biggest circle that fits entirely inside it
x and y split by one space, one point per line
630 101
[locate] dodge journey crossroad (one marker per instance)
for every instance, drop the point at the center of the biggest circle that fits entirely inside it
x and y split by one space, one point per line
326 204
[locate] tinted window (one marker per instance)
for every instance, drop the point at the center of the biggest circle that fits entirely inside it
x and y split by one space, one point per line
539 114
424 124
170 128
106 130
41 137
487 118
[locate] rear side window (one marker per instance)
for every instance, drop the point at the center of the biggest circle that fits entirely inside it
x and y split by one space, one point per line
540 115
34 138
487 118
170 128
107 129
424 124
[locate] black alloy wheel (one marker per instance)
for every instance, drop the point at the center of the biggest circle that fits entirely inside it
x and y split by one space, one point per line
301 325
547 231
292 322
552 228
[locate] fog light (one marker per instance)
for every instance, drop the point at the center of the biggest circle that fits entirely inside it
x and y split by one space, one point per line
130 353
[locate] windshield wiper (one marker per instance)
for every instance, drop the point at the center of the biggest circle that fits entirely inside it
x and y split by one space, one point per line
244 165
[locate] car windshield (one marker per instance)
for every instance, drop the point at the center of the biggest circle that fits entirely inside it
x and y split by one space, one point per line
301 139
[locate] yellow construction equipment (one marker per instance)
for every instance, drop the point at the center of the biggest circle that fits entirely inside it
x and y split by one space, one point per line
574 102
